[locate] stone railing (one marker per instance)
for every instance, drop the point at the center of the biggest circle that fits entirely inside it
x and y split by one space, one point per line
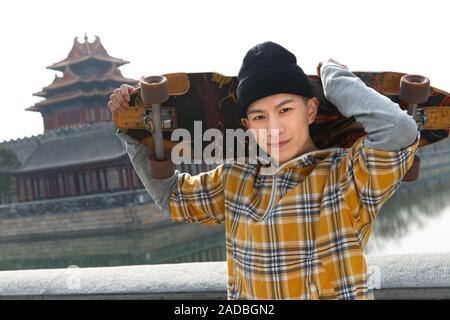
393 277
99 201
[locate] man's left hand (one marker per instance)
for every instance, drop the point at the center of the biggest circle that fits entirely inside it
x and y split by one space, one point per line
333 61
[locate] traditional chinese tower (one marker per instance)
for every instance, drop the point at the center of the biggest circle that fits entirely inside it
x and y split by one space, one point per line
74 197
78 153
89 75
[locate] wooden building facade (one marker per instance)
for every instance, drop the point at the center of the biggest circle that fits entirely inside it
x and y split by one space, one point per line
78 153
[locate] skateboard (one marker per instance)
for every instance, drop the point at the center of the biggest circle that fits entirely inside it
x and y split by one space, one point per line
161 104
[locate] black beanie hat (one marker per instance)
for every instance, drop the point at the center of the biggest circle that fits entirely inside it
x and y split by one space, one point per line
268 69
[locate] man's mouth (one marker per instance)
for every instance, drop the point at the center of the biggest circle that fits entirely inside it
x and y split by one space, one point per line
279 144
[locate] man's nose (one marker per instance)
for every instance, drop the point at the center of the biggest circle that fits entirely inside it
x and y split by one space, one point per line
274 127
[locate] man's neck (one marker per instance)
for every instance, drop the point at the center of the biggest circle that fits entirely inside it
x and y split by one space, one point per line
307 147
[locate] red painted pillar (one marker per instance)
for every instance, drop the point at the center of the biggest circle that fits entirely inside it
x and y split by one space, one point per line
25 188
120 169
90 184
129 177
18 189
32 188
66 184
105 179
99 182
46 191
82 117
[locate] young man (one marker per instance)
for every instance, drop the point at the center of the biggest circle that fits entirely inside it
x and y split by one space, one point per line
298 228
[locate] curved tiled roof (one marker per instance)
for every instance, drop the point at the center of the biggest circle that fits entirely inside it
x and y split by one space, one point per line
94 82
74 147
84 51
68 96
70 78
68 147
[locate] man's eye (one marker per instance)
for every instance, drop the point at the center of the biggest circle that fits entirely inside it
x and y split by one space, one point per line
286 109
258 118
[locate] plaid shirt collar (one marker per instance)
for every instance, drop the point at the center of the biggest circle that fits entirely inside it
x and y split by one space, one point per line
269 167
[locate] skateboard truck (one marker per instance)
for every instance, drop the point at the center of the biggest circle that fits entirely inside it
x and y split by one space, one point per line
155 91
414 90
167 119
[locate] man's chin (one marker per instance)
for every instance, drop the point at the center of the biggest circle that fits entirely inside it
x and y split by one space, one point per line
281 156
286 156
281 159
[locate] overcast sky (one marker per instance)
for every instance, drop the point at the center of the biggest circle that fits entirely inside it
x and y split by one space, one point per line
172 36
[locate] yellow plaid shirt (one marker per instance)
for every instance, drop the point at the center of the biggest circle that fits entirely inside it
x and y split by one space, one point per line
298 232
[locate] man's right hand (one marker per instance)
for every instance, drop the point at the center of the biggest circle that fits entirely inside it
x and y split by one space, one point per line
118 101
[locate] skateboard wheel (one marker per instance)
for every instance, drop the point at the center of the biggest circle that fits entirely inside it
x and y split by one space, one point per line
161 169
414 89
154 89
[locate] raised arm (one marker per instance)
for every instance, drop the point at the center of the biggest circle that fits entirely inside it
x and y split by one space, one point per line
198 198
371 170
186 198
387 126
158 189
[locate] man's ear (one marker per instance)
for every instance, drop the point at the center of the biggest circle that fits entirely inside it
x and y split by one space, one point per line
313 107
244 122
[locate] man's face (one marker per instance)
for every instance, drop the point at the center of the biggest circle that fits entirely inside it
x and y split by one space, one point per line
290 115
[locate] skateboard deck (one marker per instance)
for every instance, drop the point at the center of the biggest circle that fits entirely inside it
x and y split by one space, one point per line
210 98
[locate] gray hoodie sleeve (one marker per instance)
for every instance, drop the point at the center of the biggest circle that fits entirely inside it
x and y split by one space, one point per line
159 190
387 126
